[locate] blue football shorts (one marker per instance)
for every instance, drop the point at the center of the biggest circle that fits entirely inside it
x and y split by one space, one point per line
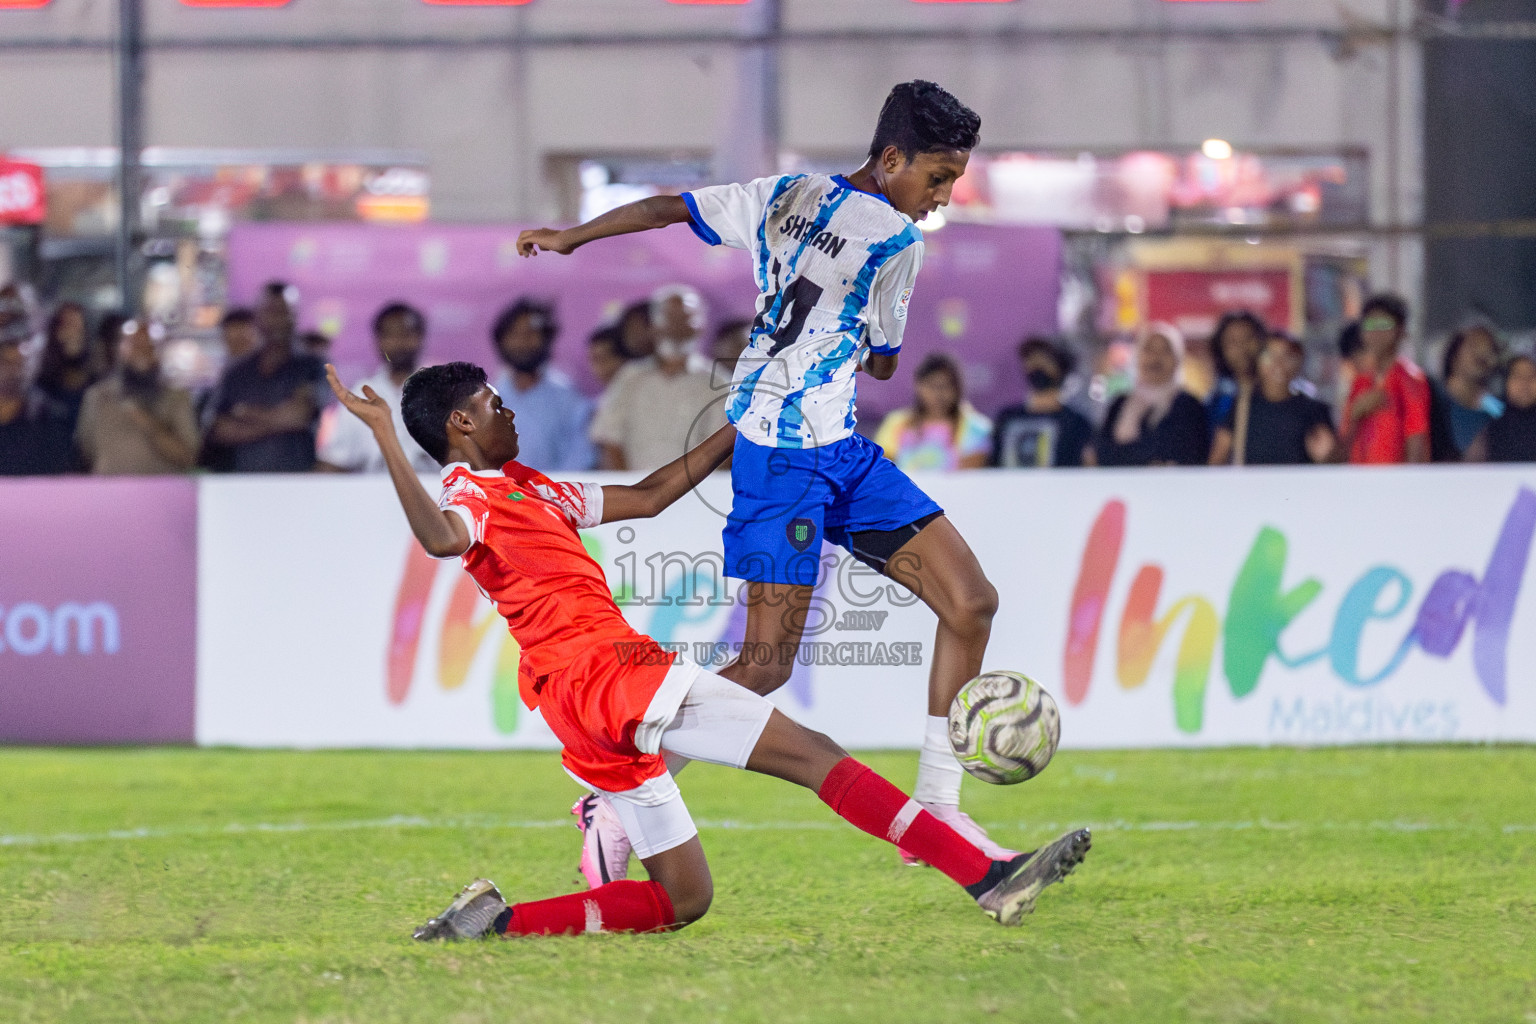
788 500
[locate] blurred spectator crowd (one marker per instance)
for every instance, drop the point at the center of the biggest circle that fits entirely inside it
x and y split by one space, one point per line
1259 407
77 397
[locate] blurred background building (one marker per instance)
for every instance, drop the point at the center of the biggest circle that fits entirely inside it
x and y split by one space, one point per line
1286 156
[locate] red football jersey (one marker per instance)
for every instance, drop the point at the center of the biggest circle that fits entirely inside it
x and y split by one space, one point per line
1382 437
593 674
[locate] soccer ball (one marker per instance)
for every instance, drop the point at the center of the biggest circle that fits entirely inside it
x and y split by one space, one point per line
1004 727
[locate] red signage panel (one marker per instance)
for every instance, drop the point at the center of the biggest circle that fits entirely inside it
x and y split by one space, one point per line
1193 300
22 199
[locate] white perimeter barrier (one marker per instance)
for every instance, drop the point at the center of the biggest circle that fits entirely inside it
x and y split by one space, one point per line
1161 607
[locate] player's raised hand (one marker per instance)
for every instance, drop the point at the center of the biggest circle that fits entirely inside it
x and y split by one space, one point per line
368 407
1368 402
548 239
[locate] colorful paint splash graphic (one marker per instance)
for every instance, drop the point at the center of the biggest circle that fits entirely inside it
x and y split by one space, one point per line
1260 606
469 623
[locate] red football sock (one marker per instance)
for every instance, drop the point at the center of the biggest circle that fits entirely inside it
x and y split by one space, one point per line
628 906
869 802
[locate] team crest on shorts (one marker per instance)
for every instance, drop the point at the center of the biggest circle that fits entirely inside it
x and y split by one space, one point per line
800 533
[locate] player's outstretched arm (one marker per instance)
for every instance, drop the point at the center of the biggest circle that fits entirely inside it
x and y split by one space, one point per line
642 215
648 497
441 533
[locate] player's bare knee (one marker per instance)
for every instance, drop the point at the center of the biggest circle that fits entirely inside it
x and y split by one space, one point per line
817 753
788 750
984 602
825 745
973 608
692 902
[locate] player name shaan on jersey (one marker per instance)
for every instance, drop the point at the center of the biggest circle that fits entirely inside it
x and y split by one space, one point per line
796 227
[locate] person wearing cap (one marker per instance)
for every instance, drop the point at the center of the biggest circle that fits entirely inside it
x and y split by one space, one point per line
133 422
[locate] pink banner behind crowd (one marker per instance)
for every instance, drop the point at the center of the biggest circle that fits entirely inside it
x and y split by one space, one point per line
98 610
981 290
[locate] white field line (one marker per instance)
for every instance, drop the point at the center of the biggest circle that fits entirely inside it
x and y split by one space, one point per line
413 822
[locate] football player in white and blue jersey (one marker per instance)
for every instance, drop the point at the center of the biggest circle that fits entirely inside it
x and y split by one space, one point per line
836 261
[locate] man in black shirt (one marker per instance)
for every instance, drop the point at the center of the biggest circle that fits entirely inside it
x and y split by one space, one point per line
32 441
1042 431
268 403
1277 427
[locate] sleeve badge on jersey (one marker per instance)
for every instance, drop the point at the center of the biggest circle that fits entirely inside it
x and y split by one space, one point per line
901 303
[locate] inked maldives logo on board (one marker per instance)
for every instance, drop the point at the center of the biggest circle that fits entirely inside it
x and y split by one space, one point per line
1259 608
467 623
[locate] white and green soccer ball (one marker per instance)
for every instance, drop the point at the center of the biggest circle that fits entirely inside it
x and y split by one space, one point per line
1004 727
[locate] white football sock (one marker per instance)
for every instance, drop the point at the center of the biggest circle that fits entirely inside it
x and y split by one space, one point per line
938 773
677 762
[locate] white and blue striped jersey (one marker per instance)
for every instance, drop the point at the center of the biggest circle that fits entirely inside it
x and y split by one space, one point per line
835 268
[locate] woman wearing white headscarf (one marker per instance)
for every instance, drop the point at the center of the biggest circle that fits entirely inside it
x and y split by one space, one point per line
1156 423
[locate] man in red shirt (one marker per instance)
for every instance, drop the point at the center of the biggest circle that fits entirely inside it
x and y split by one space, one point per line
614 697
1386 416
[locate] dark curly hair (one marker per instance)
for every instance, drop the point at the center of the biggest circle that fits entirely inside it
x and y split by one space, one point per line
430 396
1057 351
1518 357
397 308
920 117
95 360
545 320
1242 316
1459 339
1349 340
941 362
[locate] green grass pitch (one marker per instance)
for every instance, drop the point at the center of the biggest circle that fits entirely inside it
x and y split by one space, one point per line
1383 884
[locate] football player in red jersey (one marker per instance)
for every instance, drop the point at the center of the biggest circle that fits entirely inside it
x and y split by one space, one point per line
615 698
